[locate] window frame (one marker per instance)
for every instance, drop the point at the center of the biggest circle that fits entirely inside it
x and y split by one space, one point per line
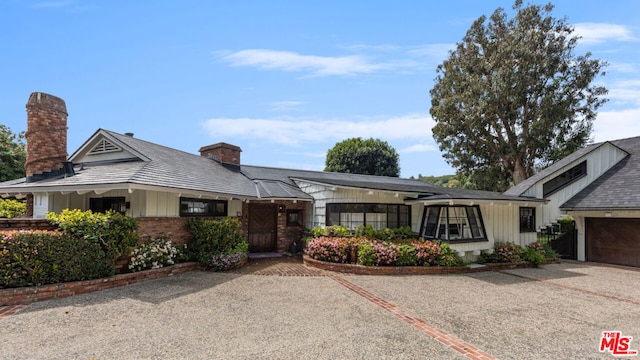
402 218
103 204
432 221
210 208
558 183
530 224
298 220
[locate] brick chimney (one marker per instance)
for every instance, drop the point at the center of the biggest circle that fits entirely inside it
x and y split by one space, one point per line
46 136
222 152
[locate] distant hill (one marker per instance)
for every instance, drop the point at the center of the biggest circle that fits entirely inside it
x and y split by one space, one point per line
448 181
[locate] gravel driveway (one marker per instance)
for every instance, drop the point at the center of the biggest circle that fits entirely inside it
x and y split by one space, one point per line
558 311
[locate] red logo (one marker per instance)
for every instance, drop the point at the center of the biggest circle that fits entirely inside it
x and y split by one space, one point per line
616 344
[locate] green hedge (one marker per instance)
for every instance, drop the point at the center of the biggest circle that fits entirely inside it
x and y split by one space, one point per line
29 258
216 240
10 208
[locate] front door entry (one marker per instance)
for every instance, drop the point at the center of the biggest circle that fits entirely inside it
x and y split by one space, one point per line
263 221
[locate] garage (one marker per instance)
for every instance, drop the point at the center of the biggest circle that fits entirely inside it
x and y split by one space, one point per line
613 241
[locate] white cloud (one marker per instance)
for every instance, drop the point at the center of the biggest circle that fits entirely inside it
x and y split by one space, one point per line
625 92
418 148
291 61
617 124
295 131
600 32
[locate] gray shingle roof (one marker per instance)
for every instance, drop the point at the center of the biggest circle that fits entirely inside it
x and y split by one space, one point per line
618 188
170 168
526 184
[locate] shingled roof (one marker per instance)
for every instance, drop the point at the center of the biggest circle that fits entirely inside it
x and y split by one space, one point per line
618 188
155 166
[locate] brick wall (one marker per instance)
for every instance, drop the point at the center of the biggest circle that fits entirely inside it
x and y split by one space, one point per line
175 228
225 153
46 134
26 224
285 234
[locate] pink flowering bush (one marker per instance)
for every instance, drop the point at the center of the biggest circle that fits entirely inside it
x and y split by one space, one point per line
537 246
504 252
378 253
427 252
332 249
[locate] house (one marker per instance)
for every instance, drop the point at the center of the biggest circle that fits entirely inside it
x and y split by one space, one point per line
599 186
164 187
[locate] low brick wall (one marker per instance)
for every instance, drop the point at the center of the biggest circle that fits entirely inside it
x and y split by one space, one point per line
411 270
28 295
175 228
26 224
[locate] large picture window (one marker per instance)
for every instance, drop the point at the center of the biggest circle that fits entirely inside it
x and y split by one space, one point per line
379 216
202 207
453 223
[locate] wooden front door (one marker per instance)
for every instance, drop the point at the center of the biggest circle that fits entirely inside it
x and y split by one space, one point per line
263 220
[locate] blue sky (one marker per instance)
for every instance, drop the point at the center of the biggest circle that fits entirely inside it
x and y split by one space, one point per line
284 80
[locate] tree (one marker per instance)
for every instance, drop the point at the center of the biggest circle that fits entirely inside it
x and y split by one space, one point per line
12 154
513 96
369 157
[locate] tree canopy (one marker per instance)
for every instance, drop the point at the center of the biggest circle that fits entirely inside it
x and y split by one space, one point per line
12 154
369 157
514 96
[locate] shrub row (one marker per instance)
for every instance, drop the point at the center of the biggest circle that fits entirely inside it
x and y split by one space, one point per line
29 258
10 208
374 252
218 244
507 252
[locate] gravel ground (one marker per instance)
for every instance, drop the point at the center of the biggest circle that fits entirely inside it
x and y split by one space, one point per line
204 315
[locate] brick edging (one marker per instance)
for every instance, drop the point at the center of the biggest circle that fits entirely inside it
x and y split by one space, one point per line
409 270
28 295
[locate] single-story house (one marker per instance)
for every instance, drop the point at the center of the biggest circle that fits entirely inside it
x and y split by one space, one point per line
599 186
163 187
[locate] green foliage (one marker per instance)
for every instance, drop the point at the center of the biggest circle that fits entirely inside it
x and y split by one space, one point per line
30 258
333 230
387 234
113 231
358 156
513 95
154 254
12 154
212 238
446 181
504 252
366 255
10 208
448 256
533 256
406 255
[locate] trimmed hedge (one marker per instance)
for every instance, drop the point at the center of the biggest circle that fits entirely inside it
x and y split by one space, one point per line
29 258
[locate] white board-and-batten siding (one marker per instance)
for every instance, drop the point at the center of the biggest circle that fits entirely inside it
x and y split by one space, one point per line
598 161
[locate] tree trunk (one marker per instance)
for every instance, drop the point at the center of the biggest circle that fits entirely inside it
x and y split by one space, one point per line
519 173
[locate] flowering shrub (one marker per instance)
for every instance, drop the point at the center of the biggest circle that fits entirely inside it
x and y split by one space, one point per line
224 262
427 252
504 252
377 253
537 246
30 258
332 249
153 255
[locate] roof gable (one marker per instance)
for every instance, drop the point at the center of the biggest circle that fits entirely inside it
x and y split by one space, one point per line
103 146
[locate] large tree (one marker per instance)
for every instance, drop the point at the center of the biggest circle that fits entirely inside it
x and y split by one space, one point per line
513 95
369 157
12 154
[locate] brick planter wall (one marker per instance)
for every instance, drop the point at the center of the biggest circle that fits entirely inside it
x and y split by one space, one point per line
28 295
26 224
175 228
412 270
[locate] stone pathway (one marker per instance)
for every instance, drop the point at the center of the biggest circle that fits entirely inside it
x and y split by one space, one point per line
278 266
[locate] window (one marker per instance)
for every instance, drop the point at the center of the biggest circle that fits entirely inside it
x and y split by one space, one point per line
379 216
294 217
453 223
104 204
527 219
564 179
202 207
